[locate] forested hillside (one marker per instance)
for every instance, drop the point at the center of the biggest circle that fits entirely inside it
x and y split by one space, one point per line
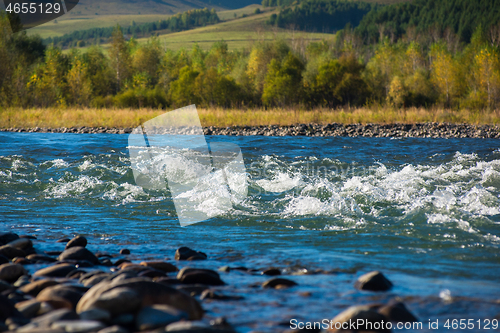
321 15
460 16
178 22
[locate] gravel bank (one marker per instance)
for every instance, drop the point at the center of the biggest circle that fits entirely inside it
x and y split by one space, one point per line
422 130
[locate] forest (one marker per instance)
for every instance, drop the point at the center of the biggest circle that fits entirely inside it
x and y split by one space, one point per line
321 15
178 22
429 68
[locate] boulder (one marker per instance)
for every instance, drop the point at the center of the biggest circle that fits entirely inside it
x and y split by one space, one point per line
160 265
185 253
199 276
34 288
397 312
151 317
46 320
21 244
11 252
8 237
58 292
369 316
60 270
77 241
78 253
373 281
147 292
11 272
278 283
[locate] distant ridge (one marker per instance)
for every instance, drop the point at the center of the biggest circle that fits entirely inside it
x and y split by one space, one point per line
168 7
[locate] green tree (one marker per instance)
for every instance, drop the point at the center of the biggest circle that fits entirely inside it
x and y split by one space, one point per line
282 85
119 54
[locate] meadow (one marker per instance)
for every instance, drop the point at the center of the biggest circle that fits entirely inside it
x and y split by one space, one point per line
122 118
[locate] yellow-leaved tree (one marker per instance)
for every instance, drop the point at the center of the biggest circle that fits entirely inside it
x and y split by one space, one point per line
487 74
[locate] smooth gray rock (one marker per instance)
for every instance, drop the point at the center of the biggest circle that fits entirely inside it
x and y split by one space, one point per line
11 272
78 253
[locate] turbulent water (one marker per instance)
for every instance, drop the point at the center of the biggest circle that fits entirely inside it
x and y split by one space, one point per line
425 211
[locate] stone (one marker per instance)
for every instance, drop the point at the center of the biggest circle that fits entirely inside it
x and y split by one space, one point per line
185 253
271 272
279 283
11 252
77 241
96 314
92 281
7 308
11 272
40 257
126 319
63 240
367 313
22 281
225 269
60 270
34 288
210 294
397 312
116 301
46 320
114 329
78 326
121 261
199 276
4 286
58 292
21 243
160 265
8 237
3 259
125 251
373 281
151 317
146 292
78 253
29 308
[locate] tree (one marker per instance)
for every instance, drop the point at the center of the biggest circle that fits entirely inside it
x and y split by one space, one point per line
282 85
79 84
119 54
487 67
444 72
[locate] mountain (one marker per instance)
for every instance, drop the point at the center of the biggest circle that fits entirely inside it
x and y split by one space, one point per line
134 7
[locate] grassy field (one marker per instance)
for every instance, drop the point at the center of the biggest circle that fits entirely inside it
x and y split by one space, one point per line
121 118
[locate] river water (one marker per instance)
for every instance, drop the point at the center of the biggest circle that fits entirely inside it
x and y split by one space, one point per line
426 212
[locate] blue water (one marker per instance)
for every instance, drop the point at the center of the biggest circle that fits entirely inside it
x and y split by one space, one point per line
426 212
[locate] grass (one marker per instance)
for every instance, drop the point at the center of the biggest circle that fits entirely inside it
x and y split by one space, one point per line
122 118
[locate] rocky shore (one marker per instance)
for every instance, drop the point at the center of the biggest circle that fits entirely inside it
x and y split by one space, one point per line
77 290
419 130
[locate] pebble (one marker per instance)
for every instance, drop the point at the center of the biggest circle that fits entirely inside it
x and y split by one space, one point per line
60 292
125 251
279 283
60 270
373 281
366 313
28 308
199 276
35 287
185 253
78 253
77 241
160 265
11 272
151 317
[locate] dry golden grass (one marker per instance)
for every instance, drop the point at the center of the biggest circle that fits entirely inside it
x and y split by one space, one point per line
121 118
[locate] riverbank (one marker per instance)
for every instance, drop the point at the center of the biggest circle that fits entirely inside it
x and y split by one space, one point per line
58 118
419 130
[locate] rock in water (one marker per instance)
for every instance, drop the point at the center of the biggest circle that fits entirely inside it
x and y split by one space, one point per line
278 283
185 253
79 253
151 317
199 276
21 244
60 270
397 312
11 252
77 241
11 272
147 293
371 319
160 265
373 281
8 237
34 288
124 251
55 293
